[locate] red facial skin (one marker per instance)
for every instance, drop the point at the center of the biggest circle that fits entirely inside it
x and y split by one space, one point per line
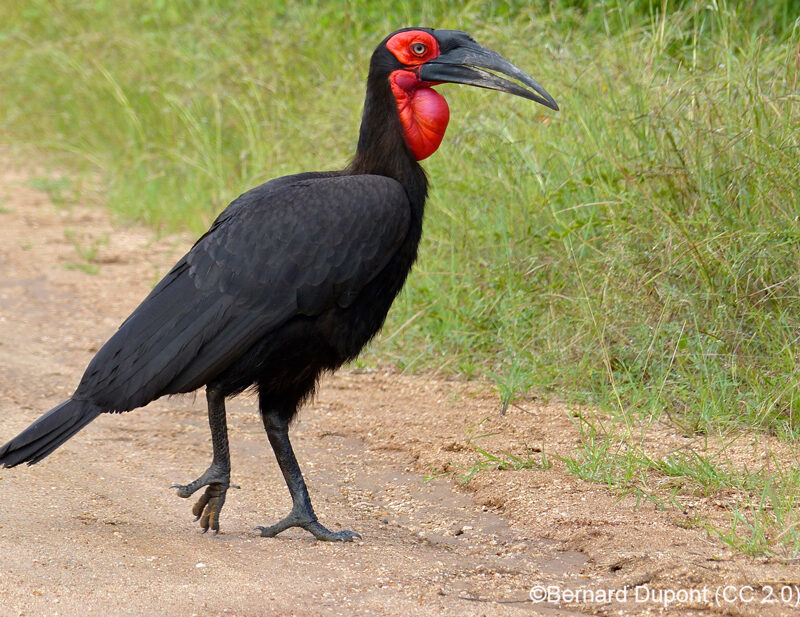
424 113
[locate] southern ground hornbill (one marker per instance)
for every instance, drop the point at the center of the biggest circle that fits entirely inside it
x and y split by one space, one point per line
292 279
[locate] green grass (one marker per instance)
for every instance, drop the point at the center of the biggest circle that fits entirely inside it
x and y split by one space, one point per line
484 460
87 254
762 500
638 251
59 190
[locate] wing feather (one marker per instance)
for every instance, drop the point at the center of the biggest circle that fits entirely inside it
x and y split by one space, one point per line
289 247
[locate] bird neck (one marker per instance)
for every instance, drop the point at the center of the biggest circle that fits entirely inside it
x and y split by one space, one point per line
382 146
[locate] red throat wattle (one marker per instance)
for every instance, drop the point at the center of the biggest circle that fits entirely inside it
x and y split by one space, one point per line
424 113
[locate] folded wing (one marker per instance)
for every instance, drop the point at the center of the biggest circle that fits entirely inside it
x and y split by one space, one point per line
294 246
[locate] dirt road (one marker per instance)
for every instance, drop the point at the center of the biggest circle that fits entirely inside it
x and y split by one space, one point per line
94 529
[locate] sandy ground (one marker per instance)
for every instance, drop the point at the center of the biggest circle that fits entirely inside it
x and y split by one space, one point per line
94 529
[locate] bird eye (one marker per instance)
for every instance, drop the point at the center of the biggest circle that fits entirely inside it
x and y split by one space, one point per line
419 49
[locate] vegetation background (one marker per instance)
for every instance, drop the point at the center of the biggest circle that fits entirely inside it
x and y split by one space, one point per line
637 252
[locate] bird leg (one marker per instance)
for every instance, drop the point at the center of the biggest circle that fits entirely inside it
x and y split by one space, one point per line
217 477
302 514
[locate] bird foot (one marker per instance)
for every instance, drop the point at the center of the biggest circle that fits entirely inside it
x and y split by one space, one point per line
208 507
309 523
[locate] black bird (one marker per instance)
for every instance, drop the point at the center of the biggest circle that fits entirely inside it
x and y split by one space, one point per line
292 279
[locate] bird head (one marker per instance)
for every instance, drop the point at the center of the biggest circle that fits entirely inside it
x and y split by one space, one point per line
416 59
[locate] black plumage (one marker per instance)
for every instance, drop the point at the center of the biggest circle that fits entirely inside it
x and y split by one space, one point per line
284 271
292 279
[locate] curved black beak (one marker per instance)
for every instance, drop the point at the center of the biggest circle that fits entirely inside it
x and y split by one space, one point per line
462 61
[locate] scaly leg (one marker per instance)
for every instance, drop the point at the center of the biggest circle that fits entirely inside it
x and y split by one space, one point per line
217 477
302 514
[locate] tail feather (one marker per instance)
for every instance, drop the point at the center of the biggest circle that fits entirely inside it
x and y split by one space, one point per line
48 432
39 448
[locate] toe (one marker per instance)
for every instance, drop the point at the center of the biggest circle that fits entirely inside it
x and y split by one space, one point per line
183 490
200 505
344 536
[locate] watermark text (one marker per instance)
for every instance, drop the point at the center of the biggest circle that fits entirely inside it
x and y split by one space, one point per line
720 595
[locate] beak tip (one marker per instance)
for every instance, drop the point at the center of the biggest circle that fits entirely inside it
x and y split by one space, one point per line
545 100
544 97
